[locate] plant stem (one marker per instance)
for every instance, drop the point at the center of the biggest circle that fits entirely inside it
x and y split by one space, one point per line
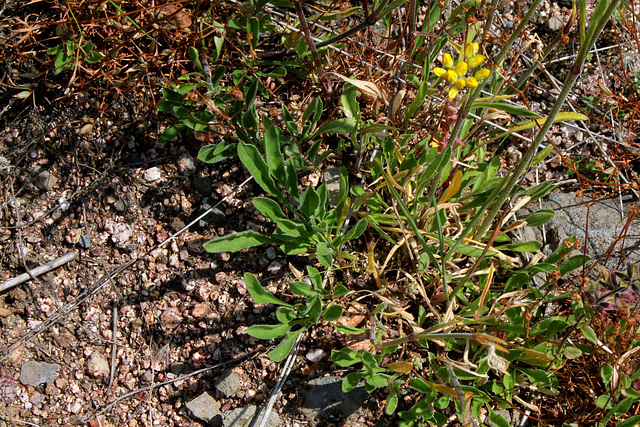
570 80
326 85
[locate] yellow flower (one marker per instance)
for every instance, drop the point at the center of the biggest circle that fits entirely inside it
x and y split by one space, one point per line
482 74
470 50
472 82
461 68
447 60
476 61
440 72
451 76
455 74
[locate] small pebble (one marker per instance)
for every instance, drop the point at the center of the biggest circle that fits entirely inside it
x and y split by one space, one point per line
274 267
151 174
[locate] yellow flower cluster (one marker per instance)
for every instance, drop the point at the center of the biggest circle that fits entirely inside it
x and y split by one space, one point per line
455 74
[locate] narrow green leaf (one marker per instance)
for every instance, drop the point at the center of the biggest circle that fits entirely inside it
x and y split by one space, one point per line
531 246
541 155
344 125
573 263
259 294
253 161
497 420
302 289
538 218
589 334
275 160
192 52
630 422
420 386
269 208
378 380
237 241
349 330
284 348
561 117
267 332
392 403
511 109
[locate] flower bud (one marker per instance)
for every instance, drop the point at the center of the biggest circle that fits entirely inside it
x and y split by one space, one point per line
476 61
453 92
459 84
451 76
447 60
472 82
470 50
440 72
482 74
461 68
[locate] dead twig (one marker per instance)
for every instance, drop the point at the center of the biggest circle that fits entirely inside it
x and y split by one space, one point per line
51 265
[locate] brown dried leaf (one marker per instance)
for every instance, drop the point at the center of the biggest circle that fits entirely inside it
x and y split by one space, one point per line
367 88
176 16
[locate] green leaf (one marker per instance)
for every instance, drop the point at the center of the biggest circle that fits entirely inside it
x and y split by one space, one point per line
282 350
630 422
345 357
421 94
541 155
192 52
497 420
267 332
250 96
309 203
275 160
353 233
259 294
349 330
571 352
589 334
344 125
420 386
509 108
349 102
561 117
315 277
170 133
573 263
237 241
392 403
340 291
351 381
538 218
333 312
378 380
214 153
531 246
325 254
253 161
302 289
269 208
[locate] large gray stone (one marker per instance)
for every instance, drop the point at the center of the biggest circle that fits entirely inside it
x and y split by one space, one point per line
228 383
605 218
323 397
241 417
36 373
205 408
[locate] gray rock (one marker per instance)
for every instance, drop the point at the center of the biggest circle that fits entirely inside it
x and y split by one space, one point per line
215 216
228 383
121 205
202 185
205 408
36 373
324 397
85 241
605 224
331 176
241 417
46 181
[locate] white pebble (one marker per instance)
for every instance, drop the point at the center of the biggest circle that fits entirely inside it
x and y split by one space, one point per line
151 174
315 355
